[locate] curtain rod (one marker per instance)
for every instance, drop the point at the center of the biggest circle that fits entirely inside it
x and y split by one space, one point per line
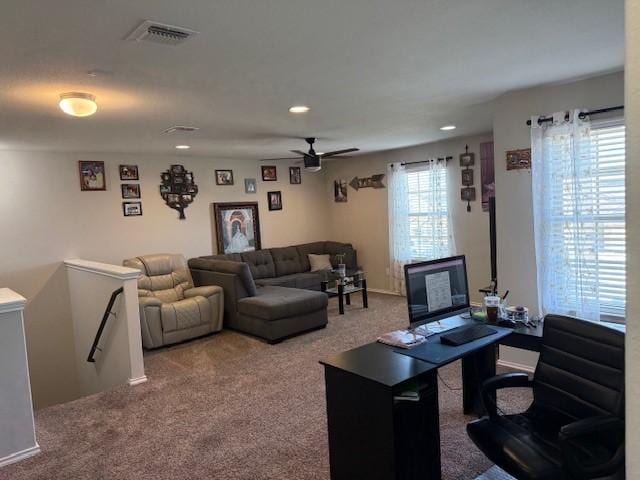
441 159
582 115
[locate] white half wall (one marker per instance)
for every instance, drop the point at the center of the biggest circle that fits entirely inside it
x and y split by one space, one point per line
632 348
17 431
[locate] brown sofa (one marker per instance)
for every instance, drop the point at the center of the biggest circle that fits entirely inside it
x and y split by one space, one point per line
271 293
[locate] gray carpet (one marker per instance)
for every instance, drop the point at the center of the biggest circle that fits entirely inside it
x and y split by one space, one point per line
231 407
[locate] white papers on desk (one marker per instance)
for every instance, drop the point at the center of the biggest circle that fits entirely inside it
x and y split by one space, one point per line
438 287
402 339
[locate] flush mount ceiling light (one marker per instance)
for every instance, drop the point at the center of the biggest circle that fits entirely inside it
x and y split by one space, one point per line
183 147
448 127
78 104
299 109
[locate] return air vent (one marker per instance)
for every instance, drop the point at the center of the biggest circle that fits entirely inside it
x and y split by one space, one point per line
180 128
162 33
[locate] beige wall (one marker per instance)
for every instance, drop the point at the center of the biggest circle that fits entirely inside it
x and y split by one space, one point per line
514 209
632 114
45 219
363 219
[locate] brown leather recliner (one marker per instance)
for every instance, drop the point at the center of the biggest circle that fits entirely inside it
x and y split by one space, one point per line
171 308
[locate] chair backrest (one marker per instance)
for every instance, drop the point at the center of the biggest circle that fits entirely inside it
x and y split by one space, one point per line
164 276
580 372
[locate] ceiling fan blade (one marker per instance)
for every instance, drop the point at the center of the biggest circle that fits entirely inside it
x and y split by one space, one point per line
339 152
299 152
276 159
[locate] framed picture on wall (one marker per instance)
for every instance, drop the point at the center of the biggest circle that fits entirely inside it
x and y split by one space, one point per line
250 185
295 175
269 173
224 177
237 227
132 209
467 159
467 177
92 176
129 172
275 200
130 190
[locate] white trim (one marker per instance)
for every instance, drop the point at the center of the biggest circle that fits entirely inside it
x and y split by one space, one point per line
105 269
137 381
11 301
18 456
384 292
516 366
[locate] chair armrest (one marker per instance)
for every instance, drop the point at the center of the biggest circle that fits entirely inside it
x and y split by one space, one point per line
580 435
590 425
149 302
204 291
505 380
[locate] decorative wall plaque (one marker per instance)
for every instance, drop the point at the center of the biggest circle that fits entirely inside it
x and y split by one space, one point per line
178 188
374 181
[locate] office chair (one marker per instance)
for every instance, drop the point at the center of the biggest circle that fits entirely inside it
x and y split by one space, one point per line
574 429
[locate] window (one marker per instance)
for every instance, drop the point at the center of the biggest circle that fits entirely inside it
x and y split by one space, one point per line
429 227
583 230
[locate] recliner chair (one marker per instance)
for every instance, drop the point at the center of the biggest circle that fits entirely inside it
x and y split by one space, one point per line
171 308
574 429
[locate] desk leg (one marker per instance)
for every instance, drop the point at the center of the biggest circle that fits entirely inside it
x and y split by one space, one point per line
476 368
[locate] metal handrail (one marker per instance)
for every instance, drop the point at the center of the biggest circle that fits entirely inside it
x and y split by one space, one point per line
105 317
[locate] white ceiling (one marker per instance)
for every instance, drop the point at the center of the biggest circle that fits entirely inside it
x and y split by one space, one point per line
378 74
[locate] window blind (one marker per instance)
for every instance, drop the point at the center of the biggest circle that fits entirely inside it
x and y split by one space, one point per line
429 228
585 219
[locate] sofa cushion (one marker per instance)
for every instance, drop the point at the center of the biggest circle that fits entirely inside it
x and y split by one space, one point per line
284 281
309 281
335 248
315 248
287 261
261 263
319 263
275 303
233 257
187 313
241 269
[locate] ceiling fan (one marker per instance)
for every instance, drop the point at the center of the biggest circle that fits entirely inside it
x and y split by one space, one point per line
311 159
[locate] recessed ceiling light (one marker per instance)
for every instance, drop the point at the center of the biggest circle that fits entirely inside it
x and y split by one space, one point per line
183 147
299 109
78 104
448 127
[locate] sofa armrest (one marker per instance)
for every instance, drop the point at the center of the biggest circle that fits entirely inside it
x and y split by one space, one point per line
204 291
150 321
149 302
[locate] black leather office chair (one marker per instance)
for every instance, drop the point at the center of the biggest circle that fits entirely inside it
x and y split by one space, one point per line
574 429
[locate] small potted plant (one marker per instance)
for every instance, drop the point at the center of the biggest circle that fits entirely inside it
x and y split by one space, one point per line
342 267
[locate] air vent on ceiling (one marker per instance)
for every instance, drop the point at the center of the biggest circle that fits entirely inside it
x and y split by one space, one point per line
180 128
162 33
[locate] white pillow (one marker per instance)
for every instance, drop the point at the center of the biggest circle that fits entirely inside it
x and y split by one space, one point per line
319 263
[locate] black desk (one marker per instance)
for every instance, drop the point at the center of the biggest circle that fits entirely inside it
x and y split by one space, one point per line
374 436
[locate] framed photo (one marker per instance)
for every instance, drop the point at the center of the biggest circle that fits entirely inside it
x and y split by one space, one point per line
269 173
467 159
340 191
132 209
467 177
92 177
130 190
129 172
519 159
250 185
275 200
237 227
224 177
295 175
468 194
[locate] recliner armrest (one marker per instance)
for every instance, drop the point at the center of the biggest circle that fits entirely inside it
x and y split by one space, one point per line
203 291
505 380
149 302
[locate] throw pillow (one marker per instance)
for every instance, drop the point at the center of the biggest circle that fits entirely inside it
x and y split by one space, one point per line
319 263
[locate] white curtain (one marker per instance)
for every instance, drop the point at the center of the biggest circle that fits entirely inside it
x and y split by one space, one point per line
566 235
399 241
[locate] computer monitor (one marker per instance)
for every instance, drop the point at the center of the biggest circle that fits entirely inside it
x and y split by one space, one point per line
436 289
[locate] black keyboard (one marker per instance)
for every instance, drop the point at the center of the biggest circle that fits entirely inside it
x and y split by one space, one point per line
466 335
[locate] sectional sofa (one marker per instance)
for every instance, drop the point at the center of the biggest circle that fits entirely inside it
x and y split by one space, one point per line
271 293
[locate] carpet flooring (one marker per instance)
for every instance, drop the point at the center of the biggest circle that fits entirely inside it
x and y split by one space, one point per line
232 407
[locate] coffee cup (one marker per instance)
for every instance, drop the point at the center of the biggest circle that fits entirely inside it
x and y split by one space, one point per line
491 305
